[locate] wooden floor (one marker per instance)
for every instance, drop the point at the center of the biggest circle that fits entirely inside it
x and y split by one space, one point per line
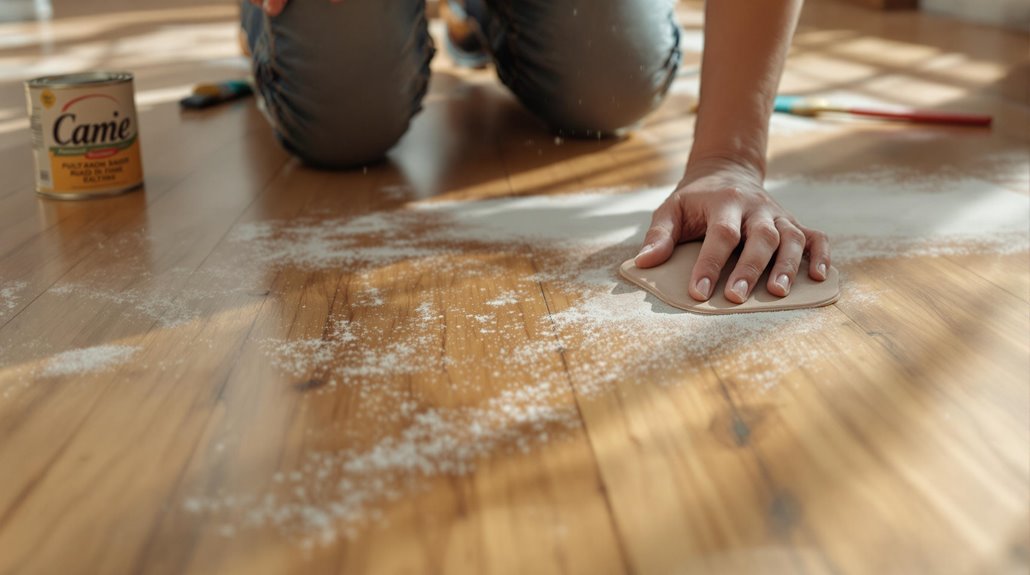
221 437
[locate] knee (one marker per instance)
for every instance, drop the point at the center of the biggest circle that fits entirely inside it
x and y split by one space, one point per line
595 68
340 91
599 105
343 133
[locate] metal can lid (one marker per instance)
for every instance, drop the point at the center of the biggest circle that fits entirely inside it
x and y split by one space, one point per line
80 79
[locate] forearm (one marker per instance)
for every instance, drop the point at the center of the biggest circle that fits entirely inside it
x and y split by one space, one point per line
746 43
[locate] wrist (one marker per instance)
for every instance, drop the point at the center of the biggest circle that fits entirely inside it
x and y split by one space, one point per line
739 140
704 164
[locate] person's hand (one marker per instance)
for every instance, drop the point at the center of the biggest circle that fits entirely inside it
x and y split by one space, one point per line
275 7
725 202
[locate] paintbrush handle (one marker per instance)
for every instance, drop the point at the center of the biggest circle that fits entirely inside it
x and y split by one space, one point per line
919 116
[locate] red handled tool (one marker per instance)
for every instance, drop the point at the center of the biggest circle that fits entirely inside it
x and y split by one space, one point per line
801 106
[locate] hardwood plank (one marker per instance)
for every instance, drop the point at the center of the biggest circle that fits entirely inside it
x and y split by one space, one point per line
908 448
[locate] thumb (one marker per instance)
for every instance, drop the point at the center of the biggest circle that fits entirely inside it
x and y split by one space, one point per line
661 237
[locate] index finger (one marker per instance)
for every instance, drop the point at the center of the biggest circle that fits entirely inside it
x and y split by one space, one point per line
721 238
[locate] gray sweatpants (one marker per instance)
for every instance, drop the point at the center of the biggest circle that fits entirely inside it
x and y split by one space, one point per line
341 81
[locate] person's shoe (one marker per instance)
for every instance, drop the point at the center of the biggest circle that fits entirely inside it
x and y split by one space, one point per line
465 40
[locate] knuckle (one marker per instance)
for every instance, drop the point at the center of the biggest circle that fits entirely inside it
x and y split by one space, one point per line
789 264
654 235
734 194
725 231
793 235
708 266
750 270
765 232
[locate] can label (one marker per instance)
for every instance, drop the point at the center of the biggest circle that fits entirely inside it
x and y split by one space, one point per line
85 137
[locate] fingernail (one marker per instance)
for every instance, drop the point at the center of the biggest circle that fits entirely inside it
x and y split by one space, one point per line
740 288
646 250
784 282
265 5
822 270
704 285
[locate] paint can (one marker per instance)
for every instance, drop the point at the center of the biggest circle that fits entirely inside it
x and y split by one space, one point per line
85 136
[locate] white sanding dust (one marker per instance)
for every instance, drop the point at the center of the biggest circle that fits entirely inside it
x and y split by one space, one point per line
10 293
336 494
880 213
169 306
506 298
422 410
88 360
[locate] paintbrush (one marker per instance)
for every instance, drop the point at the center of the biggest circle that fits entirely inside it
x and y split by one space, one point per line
207 95
802 106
